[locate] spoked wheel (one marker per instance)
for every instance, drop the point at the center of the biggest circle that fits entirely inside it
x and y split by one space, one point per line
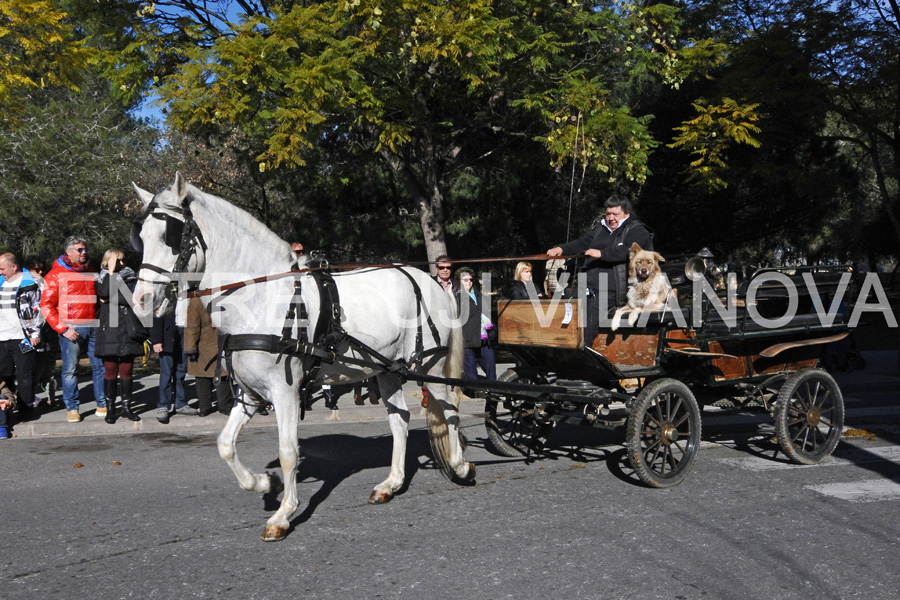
512 426
809 416
663 433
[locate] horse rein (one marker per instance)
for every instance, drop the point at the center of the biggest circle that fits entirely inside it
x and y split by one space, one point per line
192 239
351 266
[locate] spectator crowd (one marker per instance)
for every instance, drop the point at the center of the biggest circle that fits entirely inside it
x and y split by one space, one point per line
73 309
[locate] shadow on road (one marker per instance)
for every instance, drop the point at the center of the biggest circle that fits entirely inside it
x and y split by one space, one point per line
333 458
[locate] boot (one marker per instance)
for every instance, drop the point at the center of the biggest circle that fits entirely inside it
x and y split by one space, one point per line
109 387
329 399
127 386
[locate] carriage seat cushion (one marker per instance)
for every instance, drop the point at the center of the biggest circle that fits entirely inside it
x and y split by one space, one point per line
714 322
825 283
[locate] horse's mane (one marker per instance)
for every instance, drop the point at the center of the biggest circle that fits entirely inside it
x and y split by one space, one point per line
221 208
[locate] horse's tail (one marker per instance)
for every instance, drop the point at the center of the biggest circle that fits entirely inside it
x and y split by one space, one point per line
455 352
438 431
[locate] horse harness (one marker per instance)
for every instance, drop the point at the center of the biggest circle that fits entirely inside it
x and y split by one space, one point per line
330 339
183 236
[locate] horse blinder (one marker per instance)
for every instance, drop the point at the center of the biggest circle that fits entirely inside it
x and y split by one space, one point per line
172 238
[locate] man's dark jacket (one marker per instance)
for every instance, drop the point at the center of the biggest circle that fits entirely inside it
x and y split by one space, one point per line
614 252
166 333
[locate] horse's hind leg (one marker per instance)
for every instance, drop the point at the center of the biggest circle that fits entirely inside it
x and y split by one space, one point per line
227 442
398 418
449 444
288 417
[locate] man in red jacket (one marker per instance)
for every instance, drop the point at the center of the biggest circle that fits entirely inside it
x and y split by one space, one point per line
70 306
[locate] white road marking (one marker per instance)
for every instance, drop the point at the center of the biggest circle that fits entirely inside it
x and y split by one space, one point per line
848 457
870 490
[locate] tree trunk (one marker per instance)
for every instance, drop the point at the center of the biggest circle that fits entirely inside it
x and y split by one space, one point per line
428 198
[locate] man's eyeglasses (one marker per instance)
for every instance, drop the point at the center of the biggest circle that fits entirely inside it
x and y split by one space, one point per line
443 268
80 250
298 252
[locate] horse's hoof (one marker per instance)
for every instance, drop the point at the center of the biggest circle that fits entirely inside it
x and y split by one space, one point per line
468 478
274 533
380 497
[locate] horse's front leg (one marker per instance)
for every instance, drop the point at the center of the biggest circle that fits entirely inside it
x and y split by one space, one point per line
287 415
398 418
227 442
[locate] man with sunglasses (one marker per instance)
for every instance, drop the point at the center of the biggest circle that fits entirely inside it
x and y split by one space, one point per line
444 272
69 304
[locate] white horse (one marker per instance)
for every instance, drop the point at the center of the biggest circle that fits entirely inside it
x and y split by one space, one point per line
398 313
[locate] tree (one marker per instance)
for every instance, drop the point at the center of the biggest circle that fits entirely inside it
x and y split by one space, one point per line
66 169
431 88
38 48
859 68
840 75
784 188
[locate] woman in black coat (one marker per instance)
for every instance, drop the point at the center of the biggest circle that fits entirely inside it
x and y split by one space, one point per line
522 287
478 348
118 340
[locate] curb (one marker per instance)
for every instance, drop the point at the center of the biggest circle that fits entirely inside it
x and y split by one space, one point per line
54 423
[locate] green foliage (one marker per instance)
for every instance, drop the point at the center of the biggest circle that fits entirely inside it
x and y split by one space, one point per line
351 124
67 168
38 48
709 136
428 86
800 188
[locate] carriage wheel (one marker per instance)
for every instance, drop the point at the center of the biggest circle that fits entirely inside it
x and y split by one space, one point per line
511 426
809 416
663 433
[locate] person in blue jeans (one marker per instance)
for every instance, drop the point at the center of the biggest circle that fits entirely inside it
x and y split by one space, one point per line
475 328
69 303
167 337
70 351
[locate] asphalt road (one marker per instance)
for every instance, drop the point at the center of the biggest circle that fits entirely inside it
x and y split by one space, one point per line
159 515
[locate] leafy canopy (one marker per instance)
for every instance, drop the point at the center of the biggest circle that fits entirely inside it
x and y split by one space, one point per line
413 76
38 48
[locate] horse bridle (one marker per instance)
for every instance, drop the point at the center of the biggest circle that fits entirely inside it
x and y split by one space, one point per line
182 236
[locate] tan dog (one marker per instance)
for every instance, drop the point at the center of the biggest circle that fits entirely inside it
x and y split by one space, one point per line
648 287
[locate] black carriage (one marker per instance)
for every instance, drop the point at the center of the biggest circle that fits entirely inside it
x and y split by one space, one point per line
652 379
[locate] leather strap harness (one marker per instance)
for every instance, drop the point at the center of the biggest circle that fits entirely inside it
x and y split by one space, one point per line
330 339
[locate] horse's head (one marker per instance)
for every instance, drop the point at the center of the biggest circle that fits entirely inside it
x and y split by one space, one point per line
171 243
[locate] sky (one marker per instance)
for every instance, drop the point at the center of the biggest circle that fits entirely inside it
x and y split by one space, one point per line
149 110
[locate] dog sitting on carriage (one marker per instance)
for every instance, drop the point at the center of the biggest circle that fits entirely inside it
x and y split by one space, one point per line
648 287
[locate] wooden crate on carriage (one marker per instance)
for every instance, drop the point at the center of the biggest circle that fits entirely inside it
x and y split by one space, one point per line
552 325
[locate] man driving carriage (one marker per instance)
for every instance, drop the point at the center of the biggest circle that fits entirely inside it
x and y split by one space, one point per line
607 249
